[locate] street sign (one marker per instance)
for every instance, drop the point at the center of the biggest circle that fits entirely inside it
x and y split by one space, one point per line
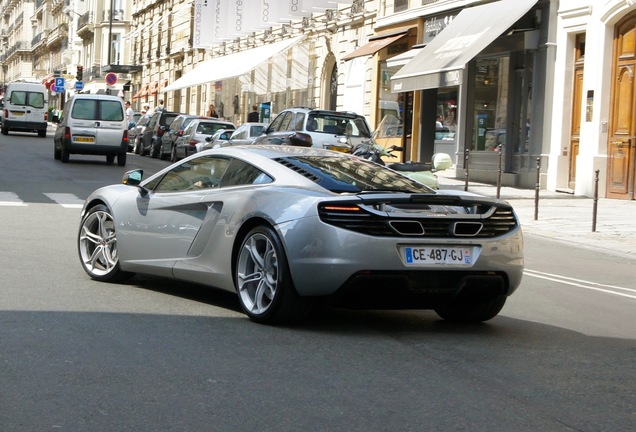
56 89
79 85
59 82
111 78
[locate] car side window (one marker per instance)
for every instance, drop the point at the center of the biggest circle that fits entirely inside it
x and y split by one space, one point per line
299 120
241 173
200 173
275 126
286 124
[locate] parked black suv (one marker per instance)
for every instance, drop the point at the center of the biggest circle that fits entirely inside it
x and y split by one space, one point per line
333 130
151 137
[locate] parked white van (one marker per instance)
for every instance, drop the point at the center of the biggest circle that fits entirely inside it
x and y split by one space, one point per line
25 108
92 124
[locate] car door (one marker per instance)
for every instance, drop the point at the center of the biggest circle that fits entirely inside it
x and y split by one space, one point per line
35 108
111 122
279 130
160 226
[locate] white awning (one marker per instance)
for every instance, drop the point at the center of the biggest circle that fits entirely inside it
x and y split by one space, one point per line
231 65
440 63
403 58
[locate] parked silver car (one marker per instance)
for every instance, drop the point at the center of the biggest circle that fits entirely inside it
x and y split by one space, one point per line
332 130
283 226
244 134
195 134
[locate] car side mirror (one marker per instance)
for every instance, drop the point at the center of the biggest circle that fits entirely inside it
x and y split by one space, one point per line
133 178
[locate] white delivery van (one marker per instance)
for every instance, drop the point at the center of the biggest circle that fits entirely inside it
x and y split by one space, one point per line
92 124
25 108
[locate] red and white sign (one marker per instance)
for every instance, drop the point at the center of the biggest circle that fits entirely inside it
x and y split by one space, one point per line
111 78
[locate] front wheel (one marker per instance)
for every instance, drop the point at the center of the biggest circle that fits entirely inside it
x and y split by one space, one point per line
263 281
97 246
472 312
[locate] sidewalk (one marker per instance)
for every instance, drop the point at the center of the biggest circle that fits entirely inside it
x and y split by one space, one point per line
564 217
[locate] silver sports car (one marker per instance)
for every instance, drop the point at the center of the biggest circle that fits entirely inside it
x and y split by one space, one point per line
285 226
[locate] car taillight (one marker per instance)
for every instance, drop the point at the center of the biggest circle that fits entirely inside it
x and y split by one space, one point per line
125 137
46 116
193 142
160 132
67 133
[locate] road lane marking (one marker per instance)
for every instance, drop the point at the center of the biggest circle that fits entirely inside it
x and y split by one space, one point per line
66 200
594 286
11 199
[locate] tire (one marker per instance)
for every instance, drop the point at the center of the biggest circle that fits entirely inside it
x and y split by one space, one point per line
64 156
173 154
110 158
42 133
5 131
121 159
57 154
154 150
472 312
97 246
263 281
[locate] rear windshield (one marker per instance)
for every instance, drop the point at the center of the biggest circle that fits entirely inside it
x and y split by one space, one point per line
338 125
210 128
27 98
95 109
351 174
165 120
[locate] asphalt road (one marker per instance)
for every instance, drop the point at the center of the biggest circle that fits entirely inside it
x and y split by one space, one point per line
156 355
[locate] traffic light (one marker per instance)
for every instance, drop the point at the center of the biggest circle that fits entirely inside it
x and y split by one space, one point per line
80 73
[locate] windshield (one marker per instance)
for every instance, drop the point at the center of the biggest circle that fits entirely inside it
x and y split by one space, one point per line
338 125
352 174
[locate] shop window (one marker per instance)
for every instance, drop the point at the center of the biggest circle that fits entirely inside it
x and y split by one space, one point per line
490 110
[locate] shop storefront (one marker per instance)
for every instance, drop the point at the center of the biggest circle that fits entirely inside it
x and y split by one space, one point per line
480 88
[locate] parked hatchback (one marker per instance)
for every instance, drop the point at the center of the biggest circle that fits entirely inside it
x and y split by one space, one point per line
195 134
92 124
332 130
151 136
175 130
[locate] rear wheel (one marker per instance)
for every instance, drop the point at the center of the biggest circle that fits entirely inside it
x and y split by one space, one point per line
472 312
263 281
173 153
57 154
42 133
155 149
110 158
5 131
64 155
97 246
121 159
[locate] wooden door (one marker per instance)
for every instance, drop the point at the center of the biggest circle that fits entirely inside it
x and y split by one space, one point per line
575 132
622 138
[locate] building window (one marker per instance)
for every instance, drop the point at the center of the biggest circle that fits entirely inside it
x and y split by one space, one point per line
400 5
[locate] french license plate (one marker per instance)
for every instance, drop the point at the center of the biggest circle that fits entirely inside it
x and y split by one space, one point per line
17 113
338 149
84 139
417 255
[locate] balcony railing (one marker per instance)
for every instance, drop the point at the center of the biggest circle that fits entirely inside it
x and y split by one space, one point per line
118 15
84 20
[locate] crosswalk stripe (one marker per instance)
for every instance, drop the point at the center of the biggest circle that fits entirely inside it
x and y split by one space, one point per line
66 200
10 199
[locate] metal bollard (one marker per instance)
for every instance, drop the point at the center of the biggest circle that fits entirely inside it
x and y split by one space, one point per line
595 206
499 172
466 154
536 190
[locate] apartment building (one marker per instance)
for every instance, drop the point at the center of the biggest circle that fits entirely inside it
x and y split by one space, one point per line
522 89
